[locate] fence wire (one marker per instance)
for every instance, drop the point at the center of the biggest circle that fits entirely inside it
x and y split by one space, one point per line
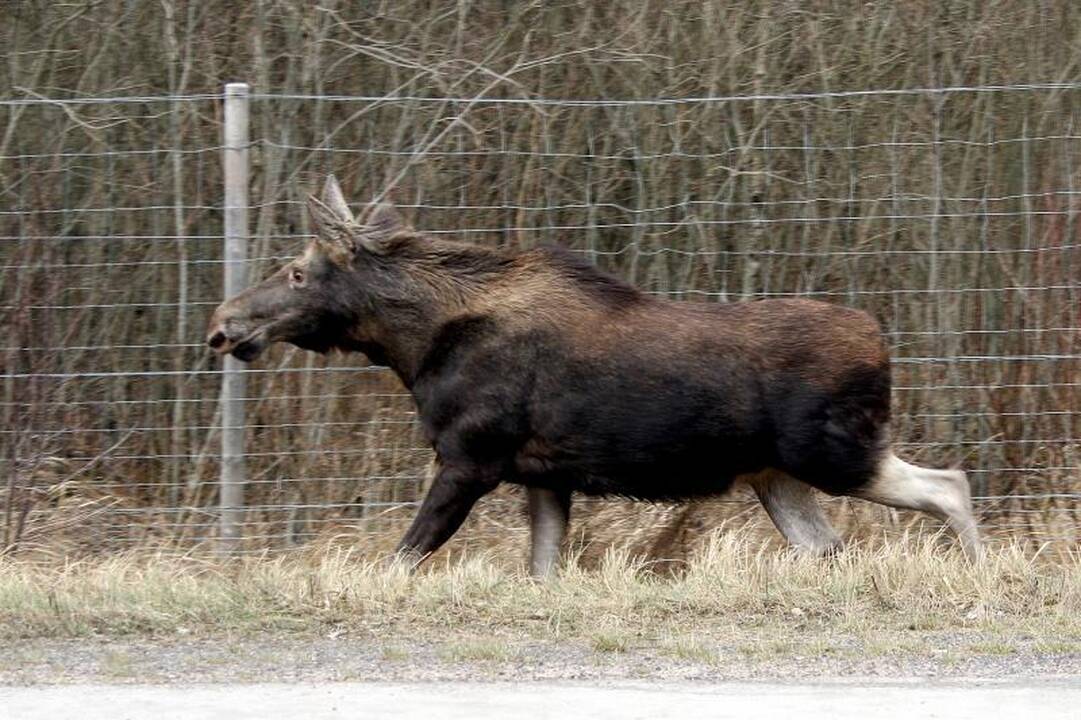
948 213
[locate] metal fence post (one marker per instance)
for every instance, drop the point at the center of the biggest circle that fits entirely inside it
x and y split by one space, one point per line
235 158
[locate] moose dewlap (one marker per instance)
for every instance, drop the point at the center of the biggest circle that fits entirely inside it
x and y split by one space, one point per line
536 368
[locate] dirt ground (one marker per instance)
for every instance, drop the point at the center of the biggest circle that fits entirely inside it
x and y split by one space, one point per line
335 658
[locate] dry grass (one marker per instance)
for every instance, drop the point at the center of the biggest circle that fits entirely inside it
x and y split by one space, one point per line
866 593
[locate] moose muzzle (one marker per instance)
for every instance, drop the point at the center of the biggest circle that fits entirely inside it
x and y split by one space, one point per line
229 335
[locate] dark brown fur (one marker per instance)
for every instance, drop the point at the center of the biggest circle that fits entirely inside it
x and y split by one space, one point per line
536 368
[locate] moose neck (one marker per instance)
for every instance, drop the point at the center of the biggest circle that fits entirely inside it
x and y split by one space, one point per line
405 335
437 285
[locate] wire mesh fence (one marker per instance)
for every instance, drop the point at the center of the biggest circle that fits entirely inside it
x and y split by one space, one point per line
948 213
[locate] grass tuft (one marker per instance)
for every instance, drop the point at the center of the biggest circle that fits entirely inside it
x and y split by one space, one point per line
478 649
610 641
689 649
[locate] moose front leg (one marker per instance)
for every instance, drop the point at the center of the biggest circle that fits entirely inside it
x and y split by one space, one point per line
453 493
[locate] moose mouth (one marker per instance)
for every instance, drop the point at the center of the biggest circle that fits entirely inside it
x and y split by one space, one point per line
245 349
249 348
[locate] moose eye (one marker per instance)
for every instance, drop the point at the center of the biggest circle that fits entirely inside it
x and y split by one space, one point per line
296 276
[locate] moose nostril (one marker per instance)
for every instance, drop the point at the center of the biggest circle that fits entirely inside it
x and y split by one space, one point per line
216 340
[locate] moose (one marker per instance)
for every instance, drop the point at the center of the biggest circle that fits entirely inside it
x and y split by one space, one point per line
536 368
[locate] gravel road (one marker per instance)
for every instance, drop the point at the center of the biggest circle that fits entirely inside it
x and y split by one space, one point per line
342 658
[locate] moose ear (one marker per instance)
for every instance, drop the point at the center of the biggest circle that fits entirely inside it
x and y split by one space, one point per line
331 229
334 199
383 223
386 219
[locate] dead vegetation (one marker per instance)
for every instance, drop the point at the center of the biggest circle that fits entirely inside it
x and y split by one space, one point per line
951 217
871 593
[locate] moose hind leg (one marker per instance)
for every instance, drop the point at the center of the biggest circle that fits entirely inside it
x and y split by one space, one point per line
549 511
943 494
793 508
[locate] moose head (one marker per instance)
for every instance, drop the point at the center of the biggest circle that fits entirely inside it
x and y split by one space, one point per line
352 275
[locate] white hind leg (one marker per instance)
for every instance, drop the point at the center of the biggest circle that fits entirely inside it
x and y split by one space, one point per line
941 493
793 508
